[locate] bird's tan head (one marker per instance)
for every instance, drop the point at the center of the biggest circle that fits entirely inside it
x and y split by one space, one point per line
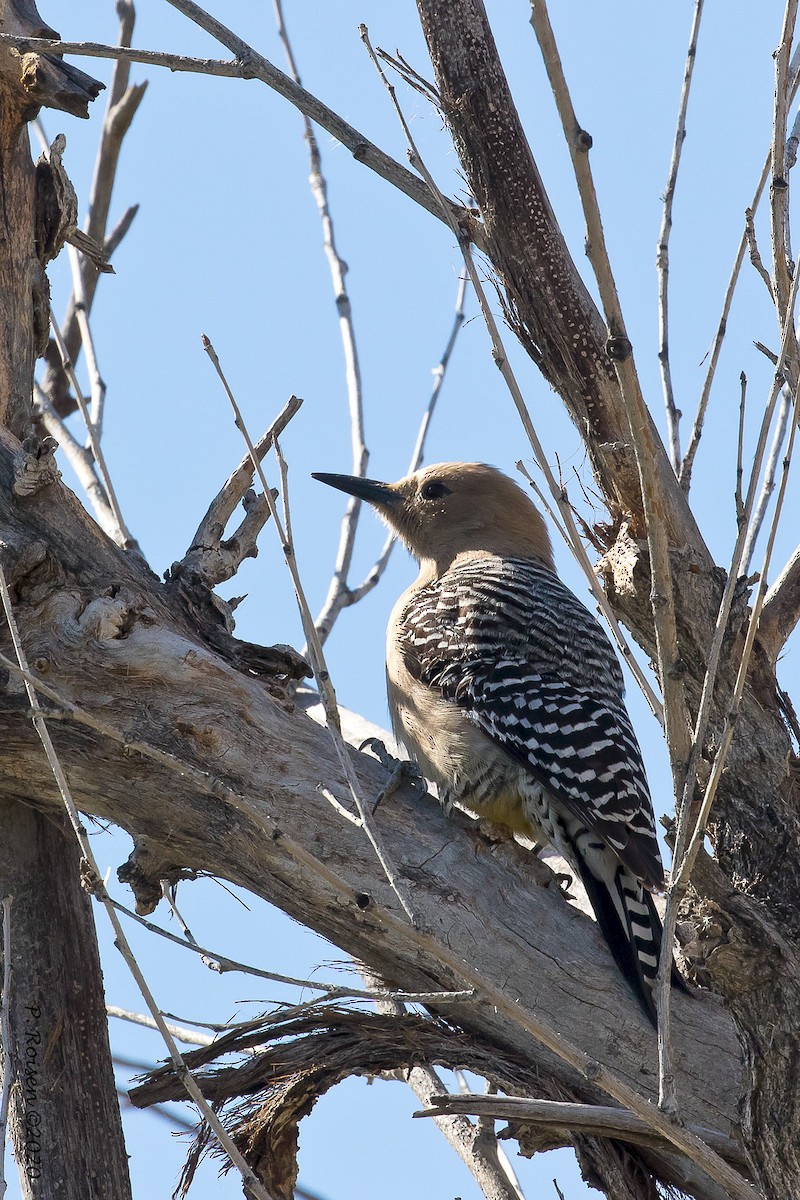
450 509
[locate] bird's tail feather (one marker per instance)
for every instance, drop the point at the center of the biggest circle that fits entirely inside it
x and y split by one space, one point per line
632 929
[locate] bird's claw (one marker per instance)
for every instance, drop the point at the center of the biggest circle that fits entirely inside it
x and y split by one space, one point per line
401 771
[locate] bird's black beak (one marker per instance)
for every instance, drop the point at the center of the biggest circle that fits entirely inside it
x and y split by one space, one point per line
366 489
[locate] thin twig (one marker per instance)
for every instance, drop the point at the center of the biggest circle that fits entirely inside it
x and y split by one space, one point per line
121 535
478 1153
373 576
740 517
97 386
662 260
121 106
333 991
338 271
249 64
755 253
676 717
5 1038
318 664
645 445
121 942
768 486
190 1036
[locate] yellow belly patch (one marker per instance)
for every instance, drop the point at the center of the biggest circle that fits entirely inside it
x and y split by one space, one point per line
505 809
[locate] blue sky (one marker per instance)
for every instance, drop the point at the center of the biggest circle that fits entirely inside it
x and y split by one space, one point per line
227 242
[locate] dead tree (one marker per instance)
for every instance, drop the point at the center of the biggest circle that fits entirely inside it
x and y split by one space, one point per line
504 963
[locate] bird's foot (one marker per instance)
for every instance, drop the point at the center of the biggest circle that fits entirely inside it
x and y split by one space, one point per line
563 882
401 771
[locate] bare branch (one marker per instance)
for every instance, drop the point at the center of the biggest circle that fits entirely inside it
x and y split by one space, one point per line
210 555
662 260
645 444
96 385
697 428
698 833
79 458
121 107
755 253
686 810
781 610
592 1119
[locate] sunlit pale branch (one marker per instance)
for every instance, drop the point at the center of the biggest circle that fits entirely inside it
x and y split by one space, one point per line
589 1119
642 436
740 517
755 253
79 458
121 535
121 107
662 259
782 266
338 271
97 386
781 610
192 1037
120 940
5 1038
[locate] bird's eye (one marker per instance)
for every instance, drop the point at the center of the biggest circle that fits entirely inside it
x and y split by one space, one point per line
434 490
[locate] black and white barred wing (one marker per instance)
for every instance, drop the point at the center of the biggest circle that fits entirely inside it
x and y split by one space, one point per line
528 664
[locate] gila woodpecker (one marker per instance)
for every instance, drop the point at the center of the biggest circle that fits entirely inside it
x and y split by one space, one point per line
507 694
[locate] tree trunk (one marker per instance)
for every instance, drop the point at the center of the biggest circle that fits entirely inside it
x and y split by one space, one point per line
64 1114
65 1119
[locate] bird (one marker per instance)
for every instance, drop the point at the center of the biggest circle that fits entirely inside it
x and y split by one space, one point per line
508 695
